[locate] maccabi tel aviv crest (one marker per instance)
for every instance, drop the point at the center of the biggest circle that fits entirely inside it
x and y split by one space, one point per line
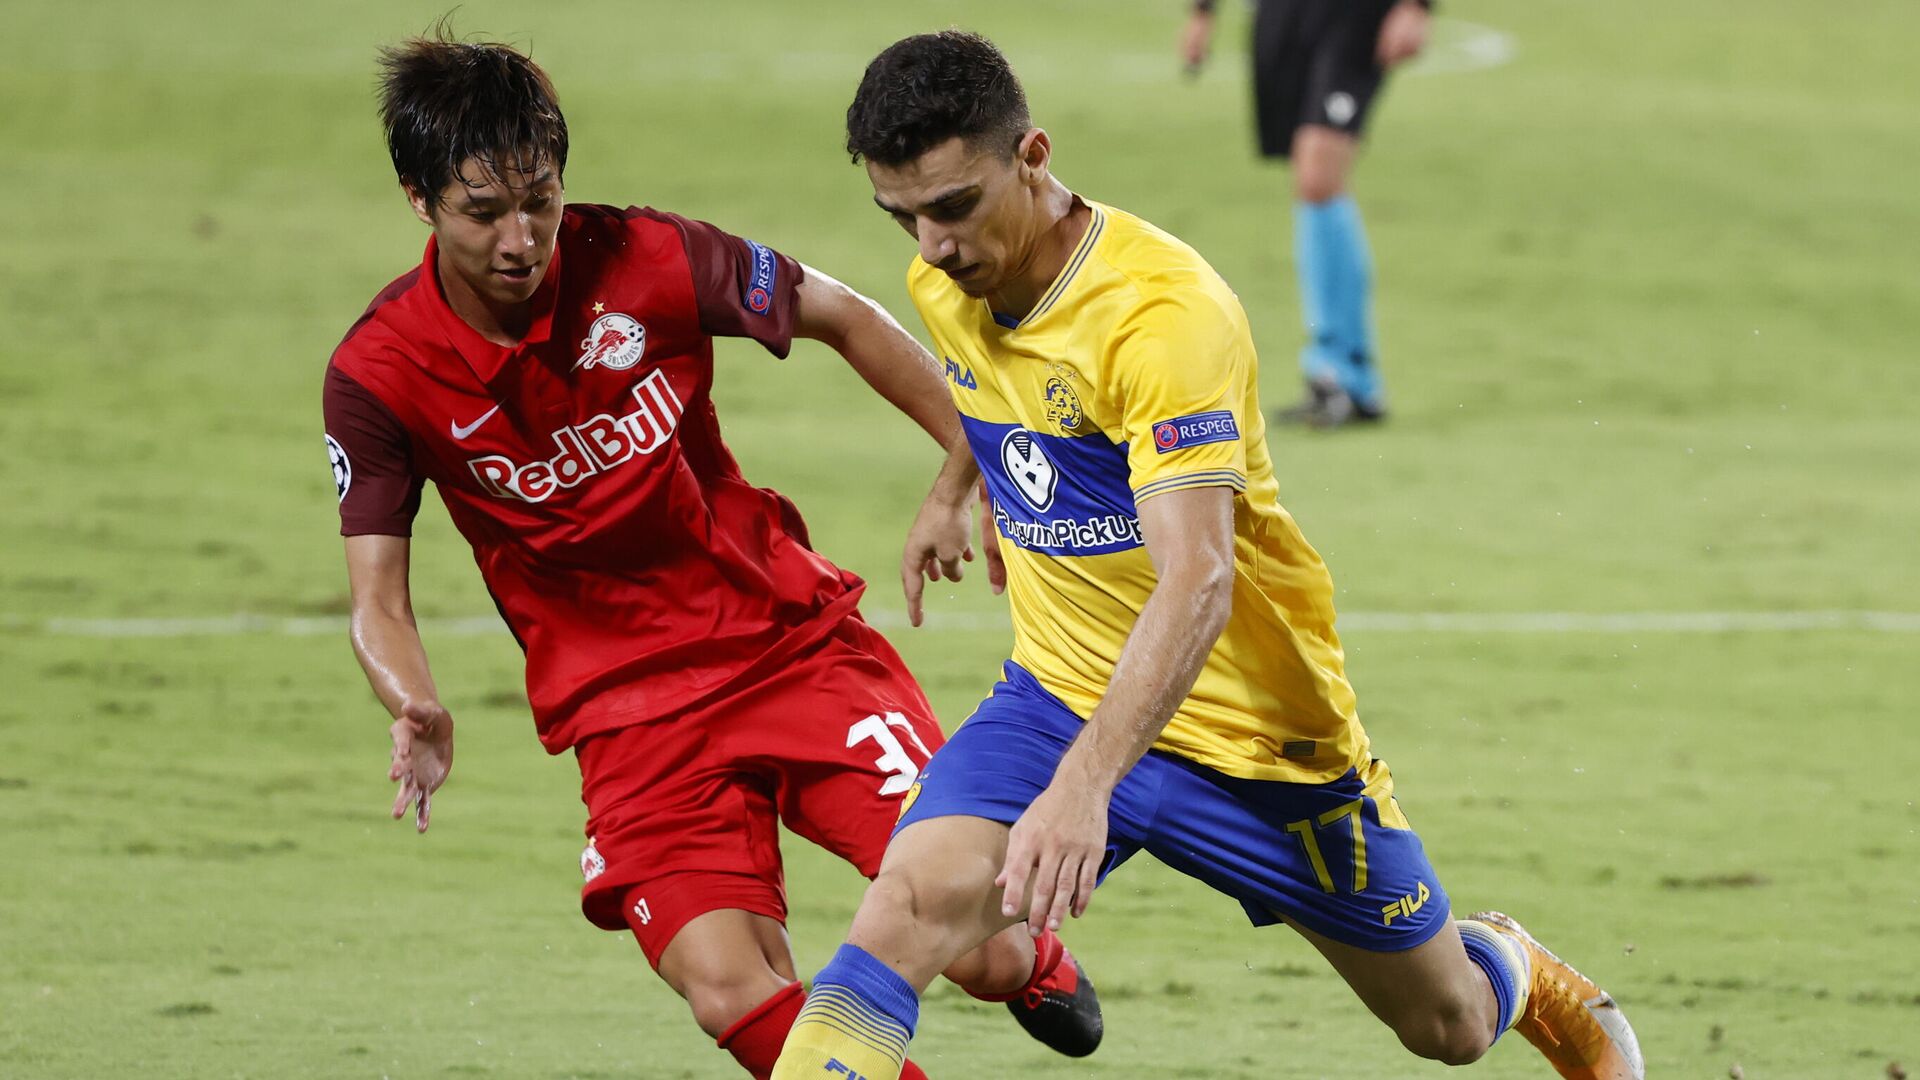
1063 405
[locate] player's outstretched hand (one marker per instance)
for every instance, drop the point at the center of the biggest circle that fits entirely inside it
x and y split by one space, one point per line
1196 40
1055 849
1403 33
422 757
936 546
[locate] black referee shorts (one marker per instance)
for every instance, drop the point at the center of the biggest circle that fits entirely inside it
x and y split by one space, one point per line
1313 63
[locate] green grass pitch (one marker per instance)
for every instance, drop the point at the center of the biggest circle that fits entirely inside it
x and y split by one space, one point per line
1648 291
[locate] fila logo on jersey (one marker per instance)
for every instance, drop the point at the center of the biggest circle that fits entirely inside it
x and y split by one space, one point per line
835 1067
759 294
1195 430
960 374
615 341
601 443
1027 466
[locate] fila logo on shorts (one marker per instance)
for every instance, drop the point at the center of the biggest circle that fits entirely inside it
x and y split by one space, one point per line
601 443
1404 907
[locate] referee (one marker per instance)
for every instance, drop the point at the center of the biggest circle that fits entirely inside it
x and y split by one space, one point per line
1317 66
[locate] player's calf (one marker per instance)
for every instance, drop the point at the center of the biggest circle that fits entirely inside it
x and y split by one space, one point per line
999 969
726 963
1453 1032
1441 1010
720 1007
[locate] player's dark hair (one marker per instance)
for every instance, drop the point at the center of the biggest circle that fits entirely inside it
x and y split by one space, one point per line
443 101
923 90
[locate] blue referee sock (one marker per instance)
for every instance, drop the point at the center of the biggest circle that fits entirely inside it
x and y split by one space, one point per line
1336 288
1506 966
856 1023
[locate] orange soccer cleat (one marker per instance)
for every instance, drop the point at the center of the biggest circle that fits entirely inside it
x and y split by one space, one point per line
1573 1022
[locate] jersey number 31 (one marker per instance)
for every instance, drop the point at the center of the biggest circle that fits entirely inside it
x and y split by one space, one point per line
894 761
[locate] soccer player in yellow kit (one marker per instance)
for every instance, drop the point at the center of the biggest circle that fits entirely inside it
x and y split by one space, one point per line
1176 684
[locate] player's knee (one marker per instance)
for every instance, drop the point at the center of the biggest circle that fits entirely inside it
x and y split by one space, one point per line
913 899
1317 184
1448 1033
718 1003
1321 159
931 911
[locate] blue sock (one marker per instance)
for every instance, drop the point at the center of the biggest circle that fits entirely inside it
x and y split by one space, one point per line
1336 287
1505 964
874 983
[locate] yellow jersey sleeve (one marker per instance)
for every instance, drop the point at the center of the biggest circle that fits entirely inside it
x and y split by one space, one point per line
1179 365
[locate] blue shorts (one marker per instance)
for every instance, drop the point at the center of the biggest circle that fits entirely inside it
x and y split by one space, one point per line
1337 858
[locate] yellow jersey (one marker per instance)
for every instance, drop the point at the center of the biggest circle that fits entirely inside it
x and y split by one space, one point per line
1134 375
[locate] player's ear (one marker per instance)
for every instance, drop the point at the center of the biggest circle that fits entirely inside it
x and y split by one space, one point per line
421 208
1033 152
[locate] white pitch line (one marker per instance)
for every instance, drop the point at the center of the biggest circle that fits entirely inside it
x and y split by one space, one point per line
1632 622
1419 622
1459 47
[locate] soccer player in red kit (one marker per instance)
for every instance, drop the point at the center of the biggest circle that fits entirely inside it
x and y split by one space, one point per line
548 368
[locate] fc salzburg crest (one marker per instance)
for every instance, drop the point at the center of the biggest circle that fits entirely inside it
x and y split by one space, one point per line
615 341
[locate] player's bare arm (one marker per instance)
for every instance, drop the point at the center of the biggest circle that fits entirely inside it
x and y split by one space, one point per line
880 349
1196 38
906 374
387 643
1403 33
1056 847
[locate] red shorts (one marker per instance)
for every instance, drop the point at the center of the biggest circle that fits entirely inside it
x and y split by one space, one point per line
683 812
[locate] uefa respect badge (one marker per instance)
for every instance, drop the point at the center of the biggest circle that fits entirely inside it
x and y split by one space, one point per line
1197 429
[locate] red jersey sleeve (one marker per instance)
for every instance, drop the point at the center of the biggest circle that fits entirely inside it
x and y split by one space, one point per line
372 459
744 289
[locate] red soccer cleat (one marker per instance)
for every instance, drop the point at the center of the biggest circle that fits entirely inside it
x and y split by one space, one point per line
1061 1010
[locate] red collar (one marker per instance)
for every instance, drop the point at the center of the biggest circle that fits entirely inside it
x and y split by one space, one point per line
486 359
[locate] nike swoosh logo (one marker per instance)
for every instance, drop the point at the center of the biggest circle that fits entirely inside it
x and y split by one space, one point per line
462 432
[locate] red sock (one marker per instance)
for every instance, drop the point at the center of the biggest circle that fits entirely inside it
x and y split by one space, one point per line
1047 951
755 1039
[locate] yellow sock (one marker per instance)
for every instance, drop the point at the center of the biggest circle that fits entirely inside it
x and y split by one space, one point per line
838 1036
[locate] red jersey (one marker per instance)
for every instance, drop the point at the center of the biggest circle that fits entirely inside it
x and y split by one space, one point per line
637 568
